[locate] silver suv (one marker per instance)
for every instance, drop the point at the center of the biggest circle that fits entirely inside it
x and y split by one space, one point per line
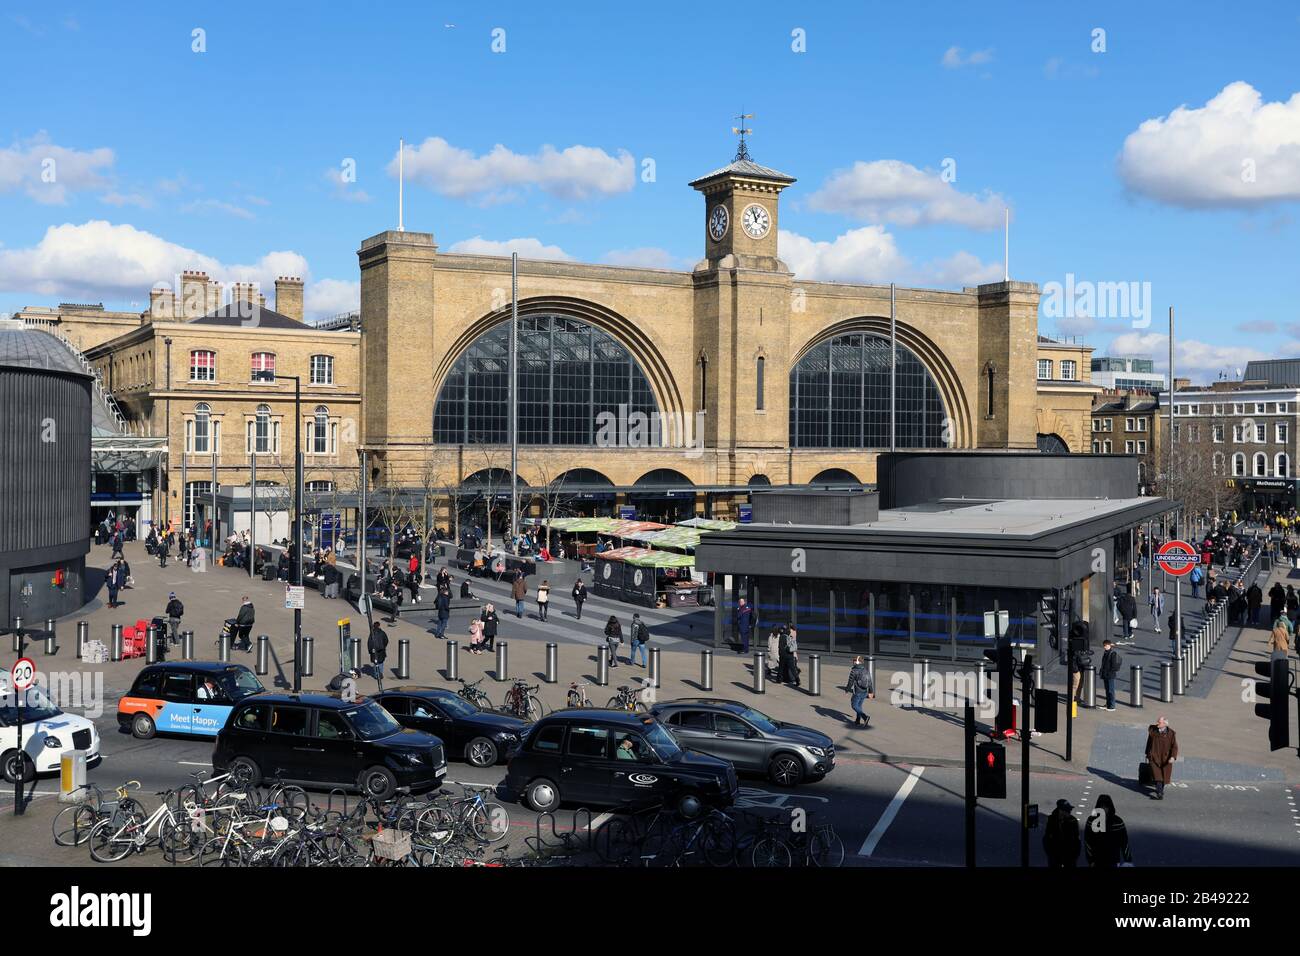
787 754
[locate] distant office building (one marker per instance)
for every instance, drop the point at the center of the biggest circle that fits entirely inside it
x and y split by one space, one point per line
1276 373
1127 373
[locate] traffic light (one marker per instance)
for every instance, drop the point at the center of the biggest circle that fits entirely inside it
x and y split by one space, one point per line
991 771
1049 619
1045 711
1277 691
1001 657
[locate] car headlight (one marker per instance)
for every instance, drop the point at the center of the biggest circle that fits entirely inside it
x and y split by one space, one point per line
412 759
53 742
816 751
506 735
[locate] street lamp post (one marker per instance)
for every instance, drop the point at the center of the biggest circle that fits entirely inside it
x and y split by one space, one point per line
297 526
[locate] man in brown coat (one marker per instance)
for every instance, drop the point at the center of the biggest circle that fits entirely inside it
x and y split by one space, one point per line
1162 751
519 591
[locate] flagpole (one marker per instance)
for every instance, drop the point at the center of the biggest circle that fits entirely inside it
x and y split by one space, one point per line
1006 244
401 169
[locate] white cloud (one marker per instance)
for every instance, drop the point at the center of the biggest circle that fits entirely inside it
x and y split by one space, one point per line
1235 151
1199 361
870 254
119 199
48 173
954 59
100 261
528 248
331 297
889 190
216 205
346 190
577 172
650 257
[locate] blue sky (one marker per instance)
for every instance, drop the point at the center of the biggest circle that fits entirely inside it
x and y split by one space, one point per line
233 158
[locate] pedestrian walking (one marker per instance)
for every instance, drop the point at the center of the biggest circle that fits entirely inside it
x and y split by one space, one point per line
1105 840
1061 840
1254 600
490 620
613 638
442 604
1197 577
543 598
1276 602
1128 611
744 624
1279 638
1156 602
638 639
519 591
1162 751
1110 665
579 596
475 636
377 648
861 689
113 581
163 547
413 578
175 611
774 652
786 650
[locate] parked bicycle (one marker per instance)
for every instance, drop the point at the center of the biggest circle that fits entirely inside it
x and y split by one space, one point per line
473 694
72 824
625 699
113 840
522 701
578 695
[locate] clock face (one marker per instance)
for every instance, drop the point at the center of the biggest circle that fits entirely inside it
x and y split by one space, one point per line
756 221
718 223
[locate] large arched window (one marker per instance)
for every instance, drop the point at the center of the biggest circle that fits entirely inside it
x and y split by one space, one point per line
1239 464
839 397
200 427
1261 465
574 381
263 433
321 431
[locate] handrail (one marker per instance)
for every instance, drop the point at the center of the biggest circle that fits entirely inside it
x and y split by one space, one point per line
109 402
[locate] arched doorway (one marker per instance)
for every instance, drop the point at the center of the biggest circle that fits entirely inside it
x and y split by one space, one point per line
578 492
668 497
483 503
758 480
835 476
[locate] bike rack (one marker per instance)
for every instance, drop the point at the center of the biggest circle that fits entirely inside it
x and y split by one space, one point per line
561 837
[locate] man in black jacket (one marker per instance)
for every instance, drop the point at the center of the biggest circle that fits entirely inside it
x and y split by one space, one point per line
377 647
1110 665
1061 835
1128 611
244 621
175 611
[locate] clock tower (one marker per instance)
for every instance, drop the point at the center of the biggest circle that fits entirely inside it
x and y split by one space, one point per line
740 210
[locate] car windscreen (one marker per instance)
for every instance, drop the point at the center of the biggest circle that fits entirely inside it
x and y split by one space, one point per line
371 721
759 720
239 682
662 741
36 706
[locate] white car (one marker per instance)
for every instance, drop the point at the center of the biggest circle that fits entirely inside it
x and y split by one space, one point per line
47 733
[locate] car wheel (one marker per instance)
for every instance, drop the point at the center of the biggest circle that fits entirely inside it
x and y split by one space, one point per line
142 727
244 772
785 770
378 782
17 766
542 795
481 752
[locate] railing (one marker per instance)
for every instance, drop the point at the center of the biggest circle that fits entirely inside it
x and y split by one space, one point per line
110 403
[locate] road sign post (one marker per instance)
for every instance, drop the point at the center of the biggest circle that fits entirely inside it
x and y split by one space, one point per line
1177 558
21 676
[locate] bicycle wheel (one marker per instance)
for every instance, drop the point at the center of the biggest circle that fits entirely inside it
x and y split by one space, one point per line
616 840
179 843
826 848
110 842
221 852
616 703
718 842
489 822
72 825
435 826
770 852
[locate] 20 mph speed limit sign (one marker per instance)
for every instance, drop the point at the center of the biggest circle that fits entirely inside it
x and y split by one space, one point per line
23 673
1177 558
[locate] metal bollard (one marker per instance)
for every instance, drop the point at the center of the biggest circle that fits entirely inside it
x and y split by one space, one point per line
1166 681
453 660
1187 674
308 656
1180 683
18 635
49 636
83 635
760 673
870 663
602 666
815 675
925 684
263 655
354 652
115 650
150 646
552 662
983 684
404 659
503 660
654 668
1135 686
1038 678
1090 686
706 670
223 648
187 645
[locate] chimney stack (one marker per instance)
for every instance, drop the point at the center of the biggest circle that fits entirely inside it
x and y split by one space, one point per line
162 305
195 294
288 296
246 292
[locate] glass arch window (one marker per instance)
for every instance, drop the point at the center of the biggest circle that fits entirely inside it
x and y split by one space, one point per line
201 429
839 397
570 375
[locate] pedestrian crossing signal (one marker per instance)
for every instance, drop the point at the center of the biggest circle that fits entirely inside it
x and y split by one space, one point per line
991 771
1277 691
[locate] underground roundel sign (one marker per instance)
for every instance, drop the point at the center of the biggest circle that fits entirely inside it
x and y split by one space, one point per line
1177 558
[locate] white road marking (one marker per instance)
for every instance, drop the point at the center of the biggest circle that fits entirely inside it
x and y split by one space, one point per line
891 811
195 763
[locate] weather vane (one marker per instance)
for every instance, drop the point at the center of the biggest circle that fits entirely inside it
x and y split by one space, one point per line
742 151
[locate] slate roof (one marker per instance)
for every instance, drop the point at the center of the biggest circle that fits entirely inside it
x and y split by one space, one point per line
258 317
746 167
